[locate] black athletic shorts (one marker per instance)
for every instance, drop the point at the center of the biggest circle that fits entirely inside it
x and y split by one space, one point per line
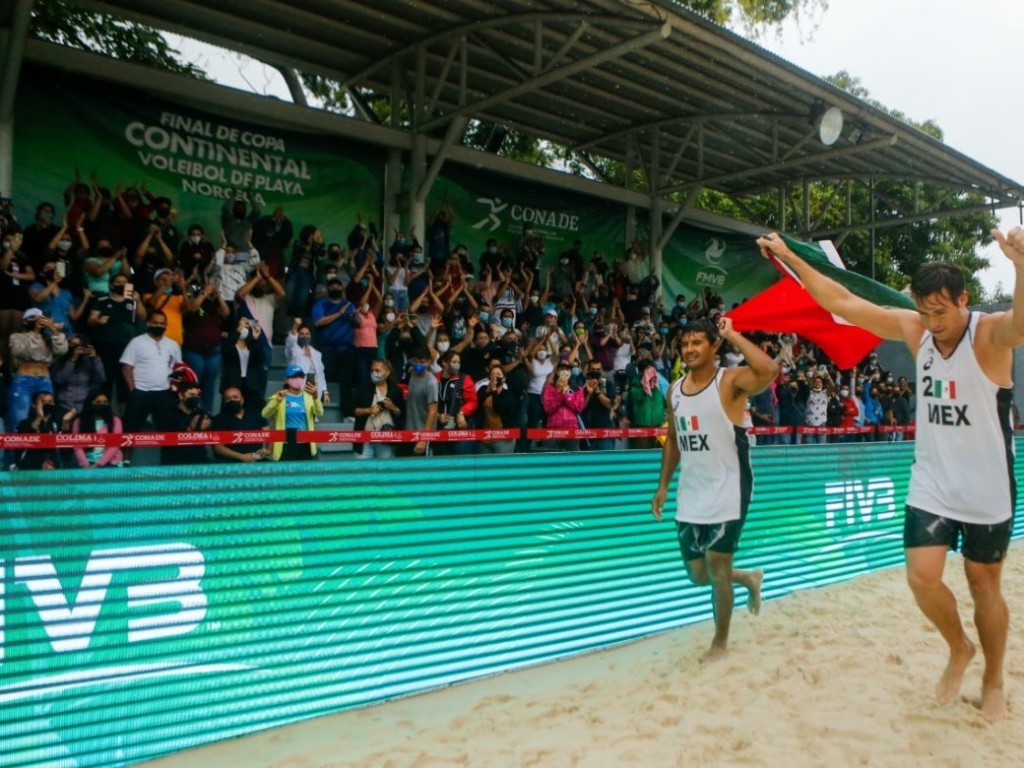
980 543
696 539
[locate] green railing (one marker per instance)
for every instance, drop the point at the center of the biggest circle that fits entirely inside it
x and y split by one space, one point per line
148 611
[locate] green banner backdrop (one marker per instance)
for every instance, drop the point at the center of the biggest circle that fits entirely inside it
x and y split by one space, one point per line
146 612
488 205
727 263
191 156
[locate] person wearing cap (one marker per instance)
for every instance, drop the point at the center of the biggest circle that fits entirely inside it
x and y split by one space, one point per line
336 319
168 297
550 335
33 351
292 408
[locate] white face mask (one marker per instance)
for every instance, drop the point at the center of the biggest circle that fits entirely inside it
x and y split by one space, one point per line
195 239
443 346
389 302
365 308
542 356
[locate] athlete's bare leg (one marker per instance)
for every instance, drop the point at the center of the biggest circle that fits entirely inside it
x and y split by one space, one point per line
992 618
720 571
924 575
697 570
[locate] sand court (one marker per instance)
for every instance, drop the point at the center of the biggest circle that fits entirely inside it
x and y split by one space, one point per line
838 676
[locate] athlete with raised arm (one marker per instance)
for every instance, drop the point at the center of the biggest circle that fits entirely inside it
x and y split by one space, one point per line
962 486
706 431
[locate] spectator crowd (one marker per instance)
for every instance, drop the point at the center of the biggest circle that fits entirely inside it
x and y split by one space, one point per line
116 318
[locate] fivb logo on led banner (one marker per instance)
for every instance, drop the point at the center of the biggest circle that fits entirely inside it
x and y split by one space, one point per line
69 624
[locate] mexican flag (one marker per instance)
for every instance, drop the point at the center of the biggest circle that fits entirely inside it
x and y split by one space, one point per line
787 308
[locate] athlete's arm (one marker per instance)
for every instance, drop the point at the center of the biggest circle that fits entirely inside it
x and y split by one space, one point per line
895 324
760 369
669 462
1008 327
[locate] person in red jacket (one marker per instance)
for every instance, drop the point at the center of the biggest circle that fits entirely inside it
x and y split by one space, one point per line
456 402
851 411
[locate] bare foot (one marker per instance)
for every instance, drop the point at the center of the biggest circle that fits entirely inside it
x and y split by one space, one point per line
993 704
948 689
714 653
754 596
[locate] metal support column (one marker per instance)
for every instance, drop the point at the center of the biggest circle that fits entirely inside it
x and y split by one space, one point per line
13 49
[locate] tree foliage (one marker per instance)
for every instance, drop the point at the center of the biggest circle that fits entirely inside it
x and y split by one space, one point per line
63 22
894 253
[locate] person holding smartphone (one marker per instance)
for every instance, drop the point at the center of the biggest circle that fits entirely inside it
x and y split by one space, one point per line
55 301
379 407
292 408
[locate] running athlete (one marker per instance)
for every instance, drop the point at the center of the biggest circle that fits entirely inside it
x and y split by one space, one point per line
705 428
962 487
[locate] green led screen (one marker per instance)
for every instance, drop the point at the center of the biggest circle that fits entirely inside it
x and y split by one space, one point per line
148 611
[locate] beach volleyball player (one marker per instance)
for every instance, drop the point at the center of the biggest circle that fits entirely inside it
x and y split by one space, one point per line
962 488
707 437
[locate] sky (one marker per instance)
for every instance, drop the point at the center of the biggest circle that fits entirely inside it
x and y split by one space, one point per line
950 61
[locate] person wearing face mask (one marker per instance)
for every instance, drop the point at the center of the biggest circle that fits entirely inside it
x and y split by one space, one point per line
851 411
196 255
78 374
33 351
244 362
295 407
379 407
56 302
97 417
146 365
270 238
792 395
258 299
816 413
238 216
39 233
168 297
421 402
102 266
456 402
492 259
234 416
307 252
164 218
386 317
44 418
562 405
299 350
15 278
186 416
113 322
365 338
336 319
539 365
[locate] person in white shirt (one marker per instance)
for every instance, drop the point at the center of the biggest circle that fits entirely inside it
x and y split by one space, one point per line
146 364
299 350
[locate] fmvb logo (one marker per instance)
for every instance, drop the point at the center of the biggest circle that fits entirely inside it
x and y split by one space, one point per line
69 622
713 275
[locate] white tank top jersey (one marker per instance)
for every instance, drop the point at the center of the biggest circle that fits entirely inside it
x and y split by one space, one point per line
715 478
963 459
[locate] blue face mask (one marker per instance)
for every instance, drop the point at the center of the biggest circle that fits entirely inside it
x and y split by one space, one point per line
507 322
575 371
419 368
485 317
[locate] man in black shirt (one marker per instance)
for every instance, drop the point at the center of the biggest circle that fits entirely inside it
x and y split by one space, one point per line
598 404
235 417
186 417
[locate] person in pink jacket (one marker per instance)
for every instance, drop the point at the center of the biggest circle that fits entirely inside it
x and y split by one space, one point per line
96 416
562 404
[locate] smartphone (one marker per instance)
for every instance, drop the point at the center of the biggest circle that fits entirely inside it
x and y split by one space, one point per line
311 377
61 270
129 290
